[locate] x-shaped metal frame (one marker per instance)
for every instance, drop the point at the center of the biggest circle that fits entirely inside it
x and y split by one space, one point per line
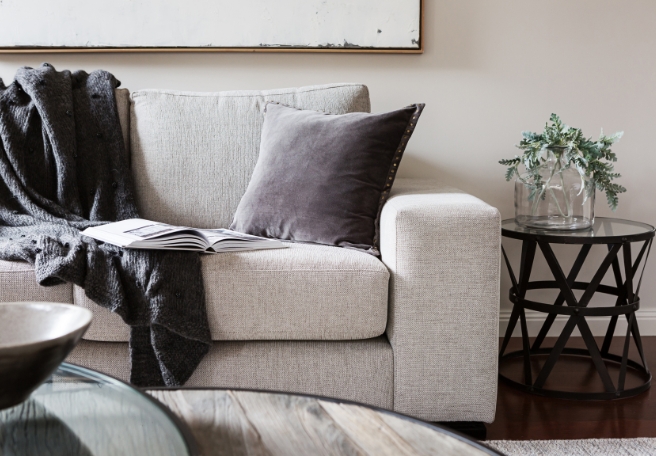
577 309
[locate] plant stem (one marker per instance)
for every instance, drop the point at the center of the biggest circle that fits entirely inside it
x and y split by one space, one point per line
568 201
547 184
562 183
536 201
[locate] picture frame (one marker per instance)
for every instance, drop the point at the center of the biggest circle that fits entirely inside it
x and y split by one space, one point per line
346 26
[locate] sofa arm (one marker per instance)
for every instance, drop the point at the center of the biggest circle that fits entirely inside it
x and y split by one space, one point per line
442 247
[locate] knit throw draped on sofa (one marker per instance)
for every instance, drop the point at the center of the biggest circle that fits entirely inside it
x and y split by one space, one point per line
63 168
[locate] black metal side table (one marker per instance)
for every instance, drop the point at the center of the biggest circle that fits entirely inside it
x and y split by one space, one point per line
617 235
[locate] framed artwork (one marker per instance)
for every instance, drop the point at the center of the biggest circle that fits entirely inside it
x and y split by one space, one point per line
211 25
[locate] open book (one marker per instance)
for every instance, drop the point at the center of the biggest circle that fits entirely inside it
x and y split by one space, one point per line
144 234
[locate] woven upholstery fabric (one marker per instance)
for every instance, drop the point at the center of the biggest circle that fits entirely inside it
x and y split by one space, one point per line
18 283
442 248
193 153
304 292
358 370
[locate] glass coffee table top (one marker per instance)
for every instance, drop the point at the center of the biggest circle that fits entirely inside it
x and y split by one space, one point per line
82 412
604 230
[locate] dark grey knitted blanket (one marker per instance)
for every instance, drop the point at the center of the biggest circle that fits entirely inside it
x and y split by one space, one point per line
63 168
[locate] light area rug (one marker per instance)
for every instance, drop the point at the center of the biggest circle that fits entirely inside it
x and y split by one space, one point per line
588 447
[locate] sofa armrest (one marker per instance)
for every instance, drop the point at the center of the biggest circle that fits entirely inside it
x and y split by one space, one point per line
442 247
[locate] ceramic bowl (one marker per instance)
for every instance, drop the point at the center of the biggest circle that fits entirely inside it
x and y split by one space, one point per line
35 337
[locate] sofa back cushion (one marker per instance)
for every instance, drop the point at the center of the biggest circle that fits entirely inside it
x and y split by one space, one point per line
193 153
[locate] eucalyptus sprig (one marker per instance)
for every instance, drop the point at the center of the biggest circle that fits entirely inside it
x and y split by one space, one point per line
592 159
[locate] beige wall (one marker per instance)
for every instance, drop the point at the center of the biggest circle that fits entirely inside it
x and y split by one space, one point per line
490 70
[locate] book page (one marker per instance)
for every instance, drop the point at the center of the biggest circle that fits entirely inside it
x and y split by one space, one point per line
149 231
141 233
146 234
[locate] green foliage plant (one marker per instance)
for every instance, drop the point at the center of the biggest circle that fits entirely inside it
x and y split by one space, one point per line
592 159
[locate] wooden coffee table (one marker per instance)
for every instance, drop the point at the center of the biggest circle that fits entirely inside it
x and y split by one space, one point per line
242 422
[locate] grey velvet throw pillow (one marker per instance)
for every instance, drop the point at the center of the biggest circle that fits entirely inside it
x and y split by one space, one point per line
324 178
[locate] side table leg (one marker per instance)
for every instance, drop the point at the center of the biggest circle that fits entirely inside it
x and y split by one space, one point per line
625 354
629 272
638 341
528 377
560 300
525 267
515 312
556 351
595 354
514 316
621 299
568 294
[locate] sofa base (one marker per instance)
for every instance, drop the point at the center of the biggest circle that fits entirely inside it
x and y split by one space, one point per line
360 371
474 429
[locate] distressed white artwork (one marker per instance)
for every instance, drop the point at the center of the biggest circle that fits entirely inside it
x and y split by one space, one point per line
212 24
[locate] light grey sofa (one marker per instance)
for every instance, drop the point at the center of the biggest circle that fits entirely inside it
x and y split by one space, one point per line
415 332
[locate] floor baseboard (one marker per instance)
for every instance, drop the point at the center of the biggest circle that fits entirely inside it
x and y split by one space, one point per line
598 325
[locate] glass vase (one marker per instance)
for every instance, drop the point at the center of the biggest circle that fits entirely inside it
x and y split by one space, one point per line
556 197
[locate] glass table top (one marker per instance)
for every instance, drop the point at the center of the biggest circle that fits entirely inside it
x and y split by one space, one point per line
603 230
82 412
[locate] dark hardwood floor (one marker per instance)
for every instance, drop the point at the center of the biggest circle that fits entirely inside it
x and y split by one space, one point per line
523 416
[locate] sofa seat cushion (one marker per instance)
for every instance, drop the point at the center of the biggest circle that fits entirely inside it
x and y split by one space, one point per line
305 292
18 283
